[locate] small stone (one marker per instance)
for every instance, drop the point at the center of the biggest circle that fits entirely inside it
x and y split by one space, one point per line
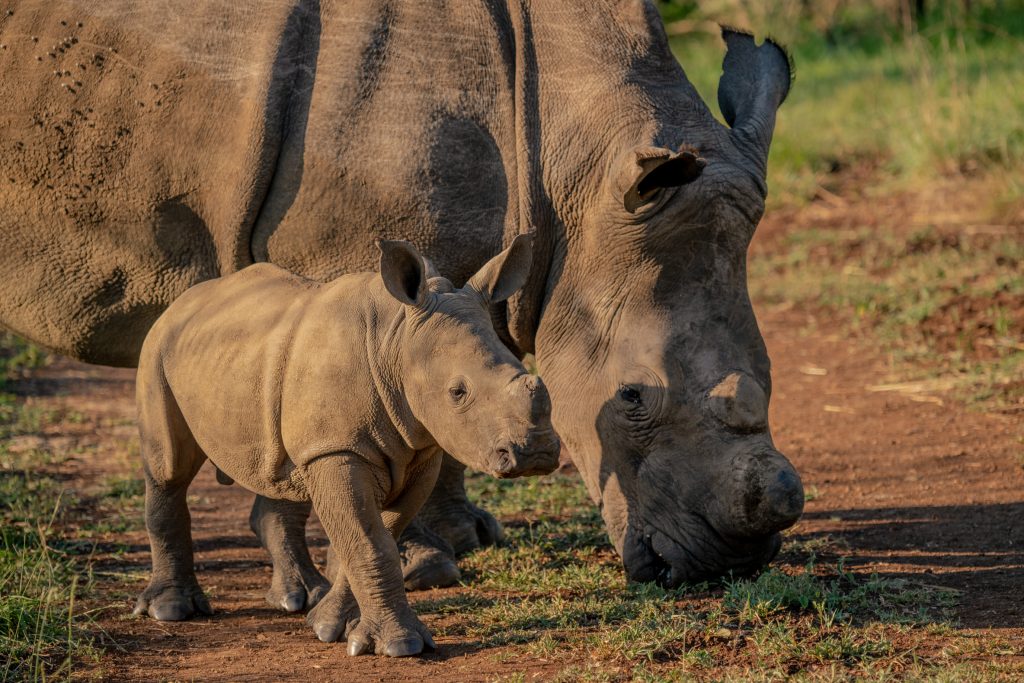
38 58
63 23
80 24
35 39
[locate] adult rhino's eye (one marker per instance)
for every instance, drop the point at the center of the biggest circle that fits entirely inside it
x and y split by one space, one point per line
630 395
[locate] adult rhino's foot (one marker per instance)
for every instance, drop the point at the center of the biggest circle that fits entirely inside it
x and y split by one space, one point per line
401 635
172 601
335 616
449 513
428 561
294 588
281 527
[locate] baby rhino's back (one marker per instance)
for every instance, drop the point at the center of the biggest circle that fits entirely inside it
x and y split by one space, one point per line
222 348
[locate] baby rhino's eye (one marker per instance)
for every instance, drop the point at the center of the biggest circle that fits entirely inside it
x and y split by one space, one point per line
457 391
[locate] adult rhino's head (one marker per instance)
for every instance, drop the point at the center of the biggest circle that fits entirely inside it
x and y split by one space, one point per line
460 381
648 342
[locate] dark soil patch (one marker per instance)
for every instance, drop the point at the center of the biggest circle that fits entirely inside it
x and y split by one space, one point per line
977 325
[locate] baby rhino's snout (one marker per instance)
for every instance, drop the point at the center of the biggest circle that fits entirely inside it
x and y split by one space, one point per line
529 445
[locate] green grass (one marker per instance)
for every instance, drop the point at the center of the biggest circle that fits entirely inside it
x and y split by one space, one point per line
41 622
42 625
556 592
18 356
943 302
904 108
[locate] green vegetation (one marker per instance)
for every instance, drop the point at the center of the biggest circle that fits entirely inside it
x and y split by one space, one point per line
41 581
947 303
18 356
896 106
556 593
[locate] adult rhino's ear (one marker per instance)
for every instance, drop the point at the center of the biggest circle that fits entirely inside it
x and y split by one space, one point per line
404 271
755 81
503 275
654 169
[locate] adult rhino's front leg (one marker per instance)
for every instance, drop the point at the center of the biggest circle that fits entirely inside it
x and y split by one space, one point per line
281 527
448 525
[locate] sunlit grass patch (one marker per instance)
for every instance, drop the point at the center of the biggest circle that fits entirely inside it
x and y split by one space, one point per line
556 592
943 301
18 356
41 624
903 107
838 596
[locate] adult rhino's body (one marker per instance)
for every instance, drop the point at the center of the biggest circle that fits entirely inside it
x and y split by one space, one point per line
145 151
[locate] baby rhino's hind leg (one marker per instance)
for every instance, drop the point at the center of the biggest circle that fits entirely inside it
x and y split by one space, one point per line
171 458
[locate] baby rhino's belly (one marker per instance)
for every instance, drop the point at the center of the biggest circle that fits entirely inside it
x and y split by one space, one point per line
265 473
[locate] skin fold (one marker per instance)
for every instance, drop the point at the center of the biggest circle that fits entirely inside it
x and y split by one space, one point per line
339 397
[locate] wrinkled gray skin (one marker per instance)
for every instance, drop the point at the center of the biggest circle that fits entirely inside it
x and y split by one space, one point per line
291 131
342 394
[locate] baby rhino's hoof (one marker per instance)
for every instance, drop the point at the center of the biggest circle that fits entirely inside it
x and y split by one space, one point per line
397 641
169 602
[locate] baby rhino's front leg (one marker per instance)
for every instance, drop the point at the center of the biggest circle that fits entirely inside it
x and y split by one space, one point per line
343 490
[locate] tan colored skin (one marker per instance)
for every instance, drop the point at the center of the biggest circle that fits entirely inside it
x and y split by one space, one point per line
342 394
291 131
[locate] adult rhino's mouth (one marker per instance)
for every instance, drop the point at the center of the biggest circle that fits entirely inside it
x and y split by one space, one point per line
650 555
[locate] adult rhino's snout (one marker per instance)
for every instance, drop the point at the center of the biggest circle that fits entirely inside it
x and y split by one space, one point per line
771 495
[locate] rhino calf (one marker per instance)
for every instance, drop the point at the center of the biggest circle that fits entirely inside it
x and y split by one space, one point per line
343 394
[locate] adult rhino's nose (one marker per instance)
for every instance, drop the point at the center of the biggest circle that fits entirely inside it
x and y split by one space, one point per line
739 402
773 495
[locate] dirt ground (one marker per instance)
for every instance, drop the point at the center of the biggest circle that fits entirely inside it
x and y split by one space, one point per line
905 481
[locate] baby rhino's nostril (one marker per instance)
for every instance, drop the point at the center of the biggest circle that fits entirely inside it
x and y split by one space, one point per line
504 459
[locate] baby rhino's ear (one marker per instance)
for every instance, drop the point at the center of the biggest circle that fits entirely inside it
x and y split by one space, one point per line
503 275
403 271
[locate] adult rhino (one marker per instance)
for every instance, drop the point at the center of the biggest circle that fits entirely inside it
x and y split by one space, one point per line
146 149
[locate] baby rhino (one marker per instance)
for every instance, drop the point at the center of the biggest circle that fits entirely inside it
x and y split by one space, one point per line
344 394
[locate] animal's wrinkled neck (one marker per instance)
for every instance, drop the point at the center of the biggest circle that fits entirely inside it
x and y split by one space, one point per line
386 333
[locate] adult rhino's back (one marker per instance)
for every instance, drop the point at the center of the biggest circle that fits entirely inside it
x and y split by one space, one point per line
137 148
176 147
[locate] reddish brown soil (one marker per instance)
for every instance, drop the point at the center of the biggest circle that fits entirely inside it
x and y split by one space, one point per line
907 484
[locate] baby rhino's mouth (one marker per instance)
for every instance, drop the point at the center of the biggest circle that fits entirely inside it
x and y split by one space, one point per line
538 456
